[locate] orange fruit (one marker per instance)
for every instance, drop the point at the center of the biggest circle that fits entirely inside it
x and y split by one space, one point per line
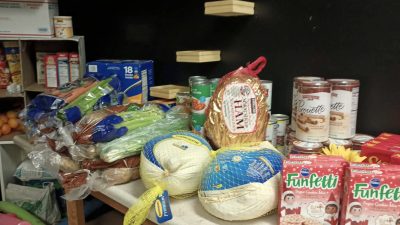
5 129
3 118
21 127
13 123
11 114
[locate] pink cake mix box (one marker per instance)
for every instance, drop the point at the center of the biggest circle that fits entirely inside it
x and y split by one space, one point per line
311 191
371 196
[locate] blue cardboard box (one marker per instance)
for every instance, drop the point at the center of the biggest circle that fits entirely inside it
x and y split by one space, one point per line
136 76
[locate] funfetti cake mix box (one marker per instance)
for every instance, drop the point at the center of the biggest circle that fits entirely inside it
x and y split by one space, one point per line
371 196
136 76
311 191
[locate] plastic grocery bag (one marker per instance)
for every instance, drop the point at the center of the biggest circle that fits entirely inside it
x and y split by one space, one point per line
241 182
26 171
39 201
79 184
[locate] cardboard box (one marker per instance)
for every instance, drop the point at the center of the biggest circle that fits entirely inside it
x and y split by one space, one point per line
129 72
40 74
50 71
74 73
62 68
29 18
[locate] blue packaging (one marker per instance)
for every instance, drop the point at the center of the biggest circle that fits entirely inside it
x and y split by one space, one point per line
136 76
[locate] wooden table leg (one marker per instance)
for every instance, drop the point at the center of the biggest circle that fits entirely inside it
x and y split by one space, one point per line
75 212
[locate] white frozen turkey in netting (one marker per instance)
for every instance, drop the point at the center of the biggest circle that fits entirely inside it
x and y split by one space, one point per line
176 160
241 183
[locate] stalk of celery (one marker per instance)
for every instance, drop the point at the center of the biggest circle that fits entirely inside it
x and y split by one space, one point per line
133 142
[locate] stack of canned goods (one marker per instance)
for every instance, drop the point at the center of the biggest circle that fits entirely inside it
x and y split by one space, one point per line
201 90
323 113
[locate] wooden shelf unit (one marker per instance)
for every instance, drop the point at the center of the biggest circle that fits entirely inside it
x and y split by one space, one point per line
28 47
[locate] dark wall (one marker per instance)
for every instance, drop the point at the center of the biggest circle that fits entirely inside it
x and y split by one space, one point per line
331 38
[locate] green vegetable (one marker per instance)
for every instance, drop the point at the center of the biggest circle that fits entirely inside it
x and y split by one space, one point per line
86 101
133 142
141 118
21 213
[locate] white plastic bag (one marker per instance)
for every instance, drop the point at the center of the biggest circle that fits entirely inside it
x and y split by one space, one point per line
39 201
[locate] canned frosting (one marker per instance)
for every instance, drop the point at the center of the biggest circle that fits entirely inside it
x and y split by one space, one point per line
313 110
359 139
344 106
282 122
301 147
339 142
267 84
296 82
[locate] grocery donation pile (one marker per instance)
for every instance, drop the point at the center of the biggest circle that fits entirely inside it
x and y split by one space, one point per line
214 147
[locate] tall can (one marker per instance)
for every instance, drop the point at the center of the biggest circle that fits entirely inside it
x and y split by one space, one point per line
191 79
313 110
282 122
214 83
200 95
296 83
271 131
344 106
267 84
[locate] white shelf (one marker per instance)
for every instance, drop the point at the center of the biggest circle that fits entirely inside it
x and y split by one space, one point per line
8 139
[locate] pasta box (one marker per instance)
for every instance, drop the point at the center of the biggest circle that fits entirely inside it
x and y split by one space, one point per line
136 76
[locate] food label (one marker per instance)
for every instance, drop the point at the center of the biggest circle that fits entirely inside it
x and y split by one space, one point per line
311 192
200 97
313 117
268 88
51 76
294 106
239 108
344 105
163 208
372 198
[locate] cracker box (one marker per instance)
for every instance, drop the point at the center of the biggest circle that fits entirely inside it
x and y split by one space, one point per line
311 191
371 196
136 76
28 18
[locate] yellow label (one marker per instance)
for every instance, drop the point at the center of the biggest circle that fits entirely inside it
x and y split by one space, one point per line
187 139
158 208
135 99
